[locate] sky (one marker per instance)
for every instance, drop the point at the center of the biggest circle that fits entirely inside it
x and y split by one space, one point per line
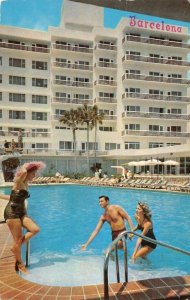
39 14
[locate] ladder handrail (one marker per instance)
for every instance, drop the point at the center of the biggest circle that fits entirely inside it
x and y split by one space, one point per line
114 245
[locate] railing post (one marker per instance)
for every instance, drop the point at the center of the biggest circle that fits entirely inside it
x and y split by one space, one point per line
117 263
27 253
125 259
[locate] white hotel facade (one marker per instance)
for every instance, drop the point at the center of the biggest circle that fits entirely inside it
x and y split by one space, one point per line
137 74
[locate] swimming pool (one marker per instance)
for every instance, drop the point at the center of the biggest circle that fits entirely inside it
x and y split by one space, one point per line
67 214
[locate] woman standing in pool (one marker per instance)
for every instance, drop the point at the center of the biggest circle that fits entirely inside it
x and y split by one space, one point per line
15 212
143 216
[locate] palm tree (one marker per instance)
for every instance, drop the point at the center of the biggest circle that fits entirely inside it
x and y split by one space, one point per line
96 118
86 116
71 119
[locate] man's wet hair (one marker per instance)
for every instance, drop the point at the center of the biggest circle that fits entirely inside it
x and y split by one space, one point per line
105 197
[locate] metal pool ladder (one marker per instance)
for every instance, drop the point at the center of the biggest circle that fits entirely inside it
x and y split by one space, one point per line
113 245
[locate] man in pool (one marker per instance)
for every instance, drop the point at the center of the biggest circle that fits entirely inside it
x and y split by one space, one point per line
115 216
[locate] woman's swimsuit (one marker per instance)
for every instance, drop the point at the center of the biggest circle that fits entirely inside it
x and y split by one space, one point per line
149 234
15 208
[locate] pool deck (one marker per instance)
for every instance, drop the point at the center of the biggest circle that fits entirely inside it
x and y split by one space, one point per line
12 286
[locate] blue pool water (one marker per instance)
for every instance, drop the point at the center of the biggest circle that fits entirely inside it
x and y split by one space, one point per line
67 215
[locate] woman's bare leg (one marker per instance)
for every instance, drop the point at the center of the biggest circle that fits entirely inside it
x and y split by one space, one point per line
31 227
15 228
142 252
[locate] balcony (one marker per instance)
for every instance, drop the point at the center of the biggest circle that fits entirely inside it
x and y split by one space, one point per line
26 134
105 100
72 48
72 83
155 97
24 47
155 60
72 101
160 42
110 83
166 134
72 66
109 118
155 78
152 115
100 46
102 64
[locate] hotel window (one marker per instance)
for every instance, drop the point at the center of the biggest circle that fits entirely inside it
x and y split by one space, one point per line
174 128
175 111
59 112
39 116
79 79
155 92
1 114
132 126
155 128
17 115
39 99
1 78
39 65
110 146
132 108
16 62
175 93
62 95
178 76
132 145
40 132
1 96
16 80
133 90
39 82
157 110
65 145
1 61
106 95
104 128
176 57
172 144
156 145
40 146
134 72
13 97
155 74
81 96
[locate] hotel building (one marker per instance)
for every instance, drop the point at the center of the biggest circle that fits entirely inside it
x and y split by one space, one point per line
137 75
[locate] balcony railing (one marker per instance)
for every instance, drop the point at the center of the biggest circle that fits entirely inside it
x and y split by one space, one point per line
72 48
106 82
161 42
24 47
156 60
105 100
102 64
73 83
156 97
106 47
156 133
72 101
109 117
152 115
26 134
72 66
155 78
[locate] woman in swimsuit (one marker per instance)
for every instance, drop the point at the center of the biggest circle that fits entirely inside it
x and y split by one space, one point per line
15 212
143 216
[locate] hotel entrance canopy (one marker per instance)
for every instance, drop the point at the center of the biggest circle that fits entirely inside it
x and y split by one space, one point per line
170 9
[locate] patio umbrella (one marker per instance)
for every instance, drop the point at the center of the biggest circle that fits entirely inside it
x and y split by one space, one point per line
122 169
153 162
133 163
171 163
